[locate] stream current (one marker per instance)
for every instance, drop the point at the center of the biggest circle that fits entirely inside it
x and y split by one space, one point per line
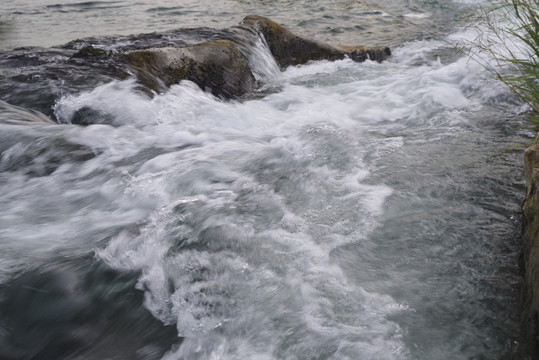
350 211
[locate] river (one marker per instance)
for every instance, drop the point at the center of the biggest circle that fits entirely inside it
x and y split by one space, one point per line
348 211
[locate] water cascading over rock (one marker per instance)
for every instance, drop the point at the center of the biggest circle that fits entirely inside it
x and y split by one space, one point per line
219 66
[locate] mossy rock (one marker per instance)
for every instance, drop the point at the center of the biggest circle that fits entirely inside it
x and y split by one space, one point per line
215 66
290 49
219 66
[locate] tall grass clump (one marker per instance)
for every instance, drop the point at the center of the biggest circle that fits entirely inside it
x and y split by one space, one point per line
508 33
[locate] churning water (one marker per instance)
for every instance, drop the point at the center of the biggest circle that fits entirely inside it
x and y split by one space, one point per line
351 211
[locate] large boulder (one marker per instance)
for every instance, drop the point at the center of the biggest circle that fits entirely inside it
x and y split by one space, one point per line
220 65
215 66
290 49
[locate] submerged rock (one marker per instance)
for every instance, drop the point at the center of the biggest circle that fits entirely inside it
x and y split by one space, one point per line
89 52
80 310
215 66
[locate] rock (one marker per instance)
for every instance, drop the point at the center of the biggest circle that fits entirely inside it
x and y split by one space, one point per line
88 116
216 66
290 49
529 257
89 52
360 53
220 67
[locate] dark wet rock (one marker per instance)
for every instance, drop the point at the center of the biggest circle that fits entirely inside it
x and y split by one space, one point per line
79 311
220 66
88 116
360 53
35 78
89 52
291 49
530 251
216 66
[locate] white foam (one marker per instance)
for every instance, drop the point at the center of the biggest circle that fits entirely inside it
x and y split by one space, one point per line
245 253
417 15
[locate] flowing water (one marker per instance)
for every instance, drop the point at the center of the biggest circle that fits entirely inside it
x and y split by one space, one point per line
349 211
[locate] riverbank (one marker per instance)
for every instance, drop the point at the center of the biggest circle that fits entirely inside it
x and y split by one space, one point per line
530 251
507 44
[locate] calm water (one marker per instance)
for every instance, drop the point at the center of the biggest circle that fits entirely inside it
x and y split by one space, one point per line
387 22
351 211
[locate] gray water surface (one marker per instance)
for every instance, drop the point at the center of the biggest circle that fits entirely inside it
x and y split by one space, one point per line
377 23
